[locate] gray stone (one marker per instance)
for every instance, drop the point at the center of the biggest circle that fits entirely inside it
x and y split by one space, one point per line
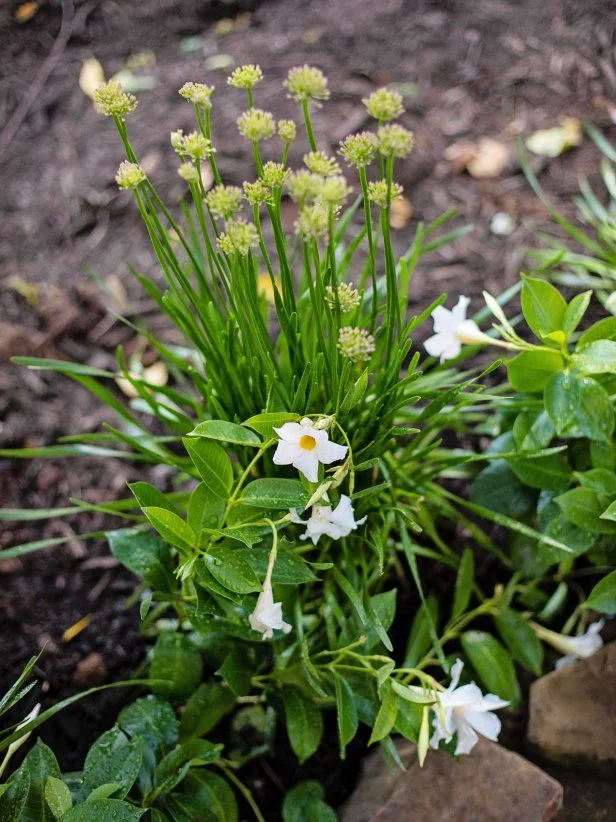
573 713
492 784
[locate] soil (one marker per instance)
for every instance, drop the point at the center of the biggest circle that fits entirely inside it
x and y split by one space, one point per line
494 68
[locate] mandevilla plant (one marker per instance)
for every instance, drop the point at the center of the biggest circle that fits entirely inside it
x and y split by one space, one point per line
308 461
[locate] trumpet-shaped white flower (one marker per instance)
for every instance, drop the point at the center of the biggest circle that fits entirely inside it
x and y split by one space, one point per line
452 330
325 521
573 647
466 712
267 616
303 445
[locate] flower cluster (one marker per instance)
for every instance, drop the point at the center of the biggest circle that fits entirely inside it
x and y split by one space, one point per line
334 191
224 201
313 221
130 175
384 104
239 236
356 344
193 145
319 163
256 125
382 194
245 77
348 297
257 193
287 130
304 185
306 83
359 149
395 140
198 94
274 175
114 101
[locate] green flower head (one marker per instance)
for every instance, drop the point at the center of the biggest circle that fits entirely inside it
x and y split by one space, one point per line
257 193
114 101
379 192
395 140
130 175
359 149
303 185
384 104
274 175
198 94
256 125
224 201
356 344
239 237
306 83
287 130
245 76
319 163
313 221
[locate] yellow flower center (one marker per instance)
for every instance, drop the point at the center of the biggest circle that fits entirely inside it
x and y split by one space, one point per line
307 442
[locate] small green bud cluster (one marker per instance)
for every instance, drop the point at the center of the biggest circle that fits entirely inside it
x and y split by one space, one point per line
348 297
287 130
114 101
306 83
313 221
359 149
334 190
256 125
378 192
384 104
257 193
224 201
130 175
356 344
189 172
245 76
193 145
395 140
274 175
198 94
303 185
319 163
239 236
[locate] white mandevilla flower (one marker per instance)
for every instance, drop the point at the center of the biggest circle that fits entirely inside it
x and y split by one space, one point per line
267 616
466 712
325 521
452 330
303 445
573 647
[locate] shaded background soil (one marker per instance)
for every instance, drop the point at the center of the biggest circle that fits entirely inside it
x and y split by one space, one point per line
490 68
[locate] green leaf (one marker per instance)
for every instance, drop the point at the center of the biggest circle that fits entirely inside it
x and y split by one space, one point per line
582 507
305 803
213 794
236 670
575 312
172 528
275 494
493 664
602 598
304 722
579 407
177 660
596 358
104 791
348 719
231 570
419 640
205 708
605 329
550 473
61 366
520 639
173 767
543 306
496 487
599 480
213 464
226 432
15 794
205 510
57 796
530 371
112 759
152 719
381 610
464 584
104 810
146 555
148 496
610 512
183 808
264 424
290 568
41 763
386 717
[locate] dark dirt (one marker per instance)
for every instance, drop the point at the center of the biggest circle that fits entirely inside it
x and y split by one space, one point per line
495 68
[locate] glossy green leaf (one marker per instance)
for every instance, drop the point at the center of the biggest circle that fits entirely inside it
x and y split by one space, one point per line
610 512
543 306
264 424
41 762
419 640
290 568
173 767
520 639
386 716
348 719
304 722
602 598
61 366
13 797
152 719
493 665
205 708
57 796
530 371
226 432
104 810
205 509
575 311
275 494
146 555
596 358
213 464
213 793
579 407
177 660
231 570
305 803
172 528
464 584
550 473
236 670
148 496
496 487
582 507
112 759
604 329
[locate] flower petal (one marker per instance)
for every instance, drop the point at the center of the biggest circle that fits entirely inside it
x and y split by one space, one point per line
308 463
443 320
290 432
444 345
285 453
486 723
458 312
467 739
466 695
328 452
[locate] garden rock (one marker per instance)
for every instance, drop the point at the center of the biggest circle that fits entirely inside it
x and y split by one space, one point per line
490 785
573 712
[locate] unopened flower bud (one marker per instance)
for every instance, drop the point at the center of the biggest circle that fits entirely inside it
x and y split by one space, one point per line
177 139
188 172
